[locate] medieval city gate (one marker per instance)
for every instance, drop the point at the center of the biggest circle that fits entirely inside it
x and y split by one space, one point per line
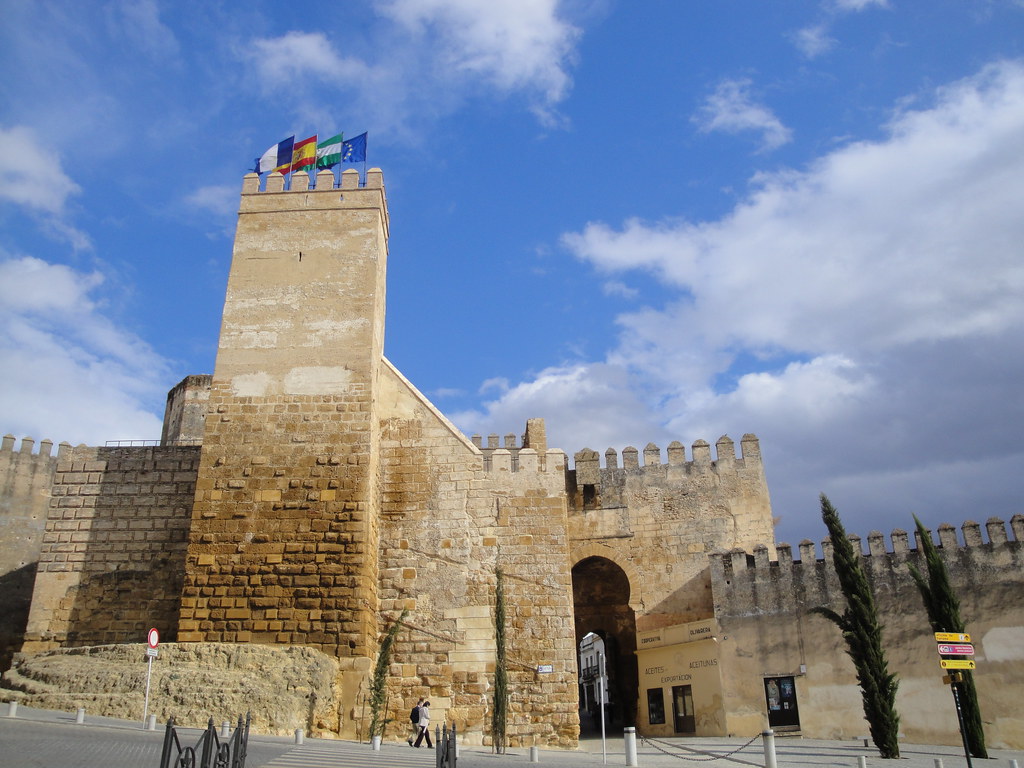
601 594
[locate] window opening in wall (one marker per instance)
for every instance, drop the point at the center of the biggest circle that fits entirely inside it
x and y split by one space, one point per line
655 706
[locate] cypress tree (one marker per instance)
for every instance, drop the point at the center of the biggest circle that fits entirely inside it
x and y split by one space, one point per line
499 713
943 607
863 635
499 716
378 682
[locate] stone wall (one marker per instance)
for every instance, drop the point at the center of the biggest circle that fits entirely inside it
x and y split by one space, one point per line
669 517
447 525
111 560
763 609
25 479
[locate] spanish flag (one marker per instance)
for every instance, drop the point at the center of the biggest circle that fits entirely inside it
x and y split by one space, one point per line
304 154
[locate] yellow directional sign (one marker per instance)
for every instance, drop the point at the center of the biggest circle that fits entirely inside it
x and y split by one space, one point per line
957 663
952 637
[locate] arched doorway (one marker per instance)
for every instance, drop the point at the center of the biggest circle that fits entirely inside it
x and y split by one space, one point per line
601 591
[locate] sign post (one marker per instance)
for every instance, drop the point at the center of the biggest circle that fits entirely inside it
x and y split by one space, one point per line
153 640
956 644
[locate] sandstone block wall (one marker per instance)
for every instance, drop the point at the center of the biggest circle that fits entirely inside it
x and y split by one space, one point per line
25 479
447 525
284 539
763 609
669 517
111 559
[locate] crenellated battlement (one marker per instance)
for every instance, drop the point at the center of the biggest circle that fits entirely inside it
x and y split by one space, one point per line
27 447
746 583
324 180
587 461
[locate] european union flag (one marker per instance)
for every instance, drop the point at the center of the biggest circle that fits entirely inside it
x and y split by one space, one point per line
354 150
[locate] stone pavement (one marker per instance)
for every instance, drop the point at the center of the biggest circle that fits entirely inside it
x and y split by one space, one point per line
38 738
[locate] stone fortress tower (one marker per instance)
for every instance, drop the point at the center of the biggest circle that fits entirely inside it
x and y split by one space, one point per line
307 494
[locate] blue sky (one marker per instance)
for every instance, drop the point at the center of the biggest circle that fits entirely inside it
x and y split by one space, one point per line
644 222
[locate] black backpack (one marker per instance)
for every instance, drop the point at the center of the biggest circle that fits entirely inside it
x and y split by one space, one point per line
414 716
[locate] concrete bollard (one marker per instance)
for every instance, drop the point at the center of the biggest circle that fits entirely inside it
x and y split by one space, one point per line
151 723
225 729
862 762
534 754
937 762
1013 764
12 709
300 736
80 716
768 737
630 742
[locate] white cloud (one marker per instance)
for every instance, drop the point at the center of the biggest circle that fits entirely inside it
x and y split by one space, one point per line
515 44
813 41
433 54
30 174
139 21
284 60
862 316
731 109
858 5
69 372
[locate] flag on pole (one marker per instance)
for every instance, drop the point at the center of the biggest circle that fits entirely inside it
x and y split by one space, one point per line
328 151
277 158
304 154
354 150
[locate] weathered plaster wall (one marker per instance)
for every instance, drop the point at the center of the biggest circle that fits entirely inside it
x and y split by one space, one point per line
763 608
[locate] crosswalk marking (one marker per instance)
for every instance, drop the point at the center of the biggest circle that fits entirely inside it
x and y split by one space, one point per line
350 755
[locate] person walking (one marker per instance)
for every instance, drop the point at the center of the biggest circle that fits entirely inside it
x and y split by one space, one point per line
414 718
424 725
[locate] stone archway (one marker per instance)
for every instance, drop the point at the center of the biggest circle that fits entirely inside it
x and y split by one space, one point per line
601 598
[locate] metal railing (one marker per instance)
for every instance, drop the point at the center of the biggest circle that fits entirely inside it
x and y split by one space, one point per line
445 747
213 753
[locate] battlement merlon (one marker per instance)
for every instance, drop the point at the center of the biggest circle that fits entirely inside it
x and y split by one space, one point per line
745 581
587 462
323 194
28 445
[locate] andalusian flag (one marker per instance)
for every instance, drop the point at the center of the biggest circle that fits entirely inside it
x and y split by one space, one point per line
304 154
277 158
328 152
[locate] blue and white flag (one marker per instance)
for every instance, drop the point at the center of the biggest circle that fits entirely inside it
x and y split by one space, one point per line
277 158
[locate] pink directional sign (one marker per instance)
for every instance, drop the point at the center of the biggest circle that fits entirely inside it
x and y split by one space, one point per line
955 650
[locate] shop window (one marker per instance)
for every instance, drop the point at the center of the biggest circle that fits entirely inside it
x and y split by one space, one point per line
655 706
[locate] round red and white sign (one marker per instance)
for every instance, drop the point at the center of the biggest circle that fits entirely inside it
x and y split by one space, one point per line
153 638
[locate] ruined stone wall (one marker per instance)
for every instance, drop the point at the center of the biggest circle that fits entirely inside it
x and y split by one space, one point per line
25 479
763 609
669 517
447 525
111 558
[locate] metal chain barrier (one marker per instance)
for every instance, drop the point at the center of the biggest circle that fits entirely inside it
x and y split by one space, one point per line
702 759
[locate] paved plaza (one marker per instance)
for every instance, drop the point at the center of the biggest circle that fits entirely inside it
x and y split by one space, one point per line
36 738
